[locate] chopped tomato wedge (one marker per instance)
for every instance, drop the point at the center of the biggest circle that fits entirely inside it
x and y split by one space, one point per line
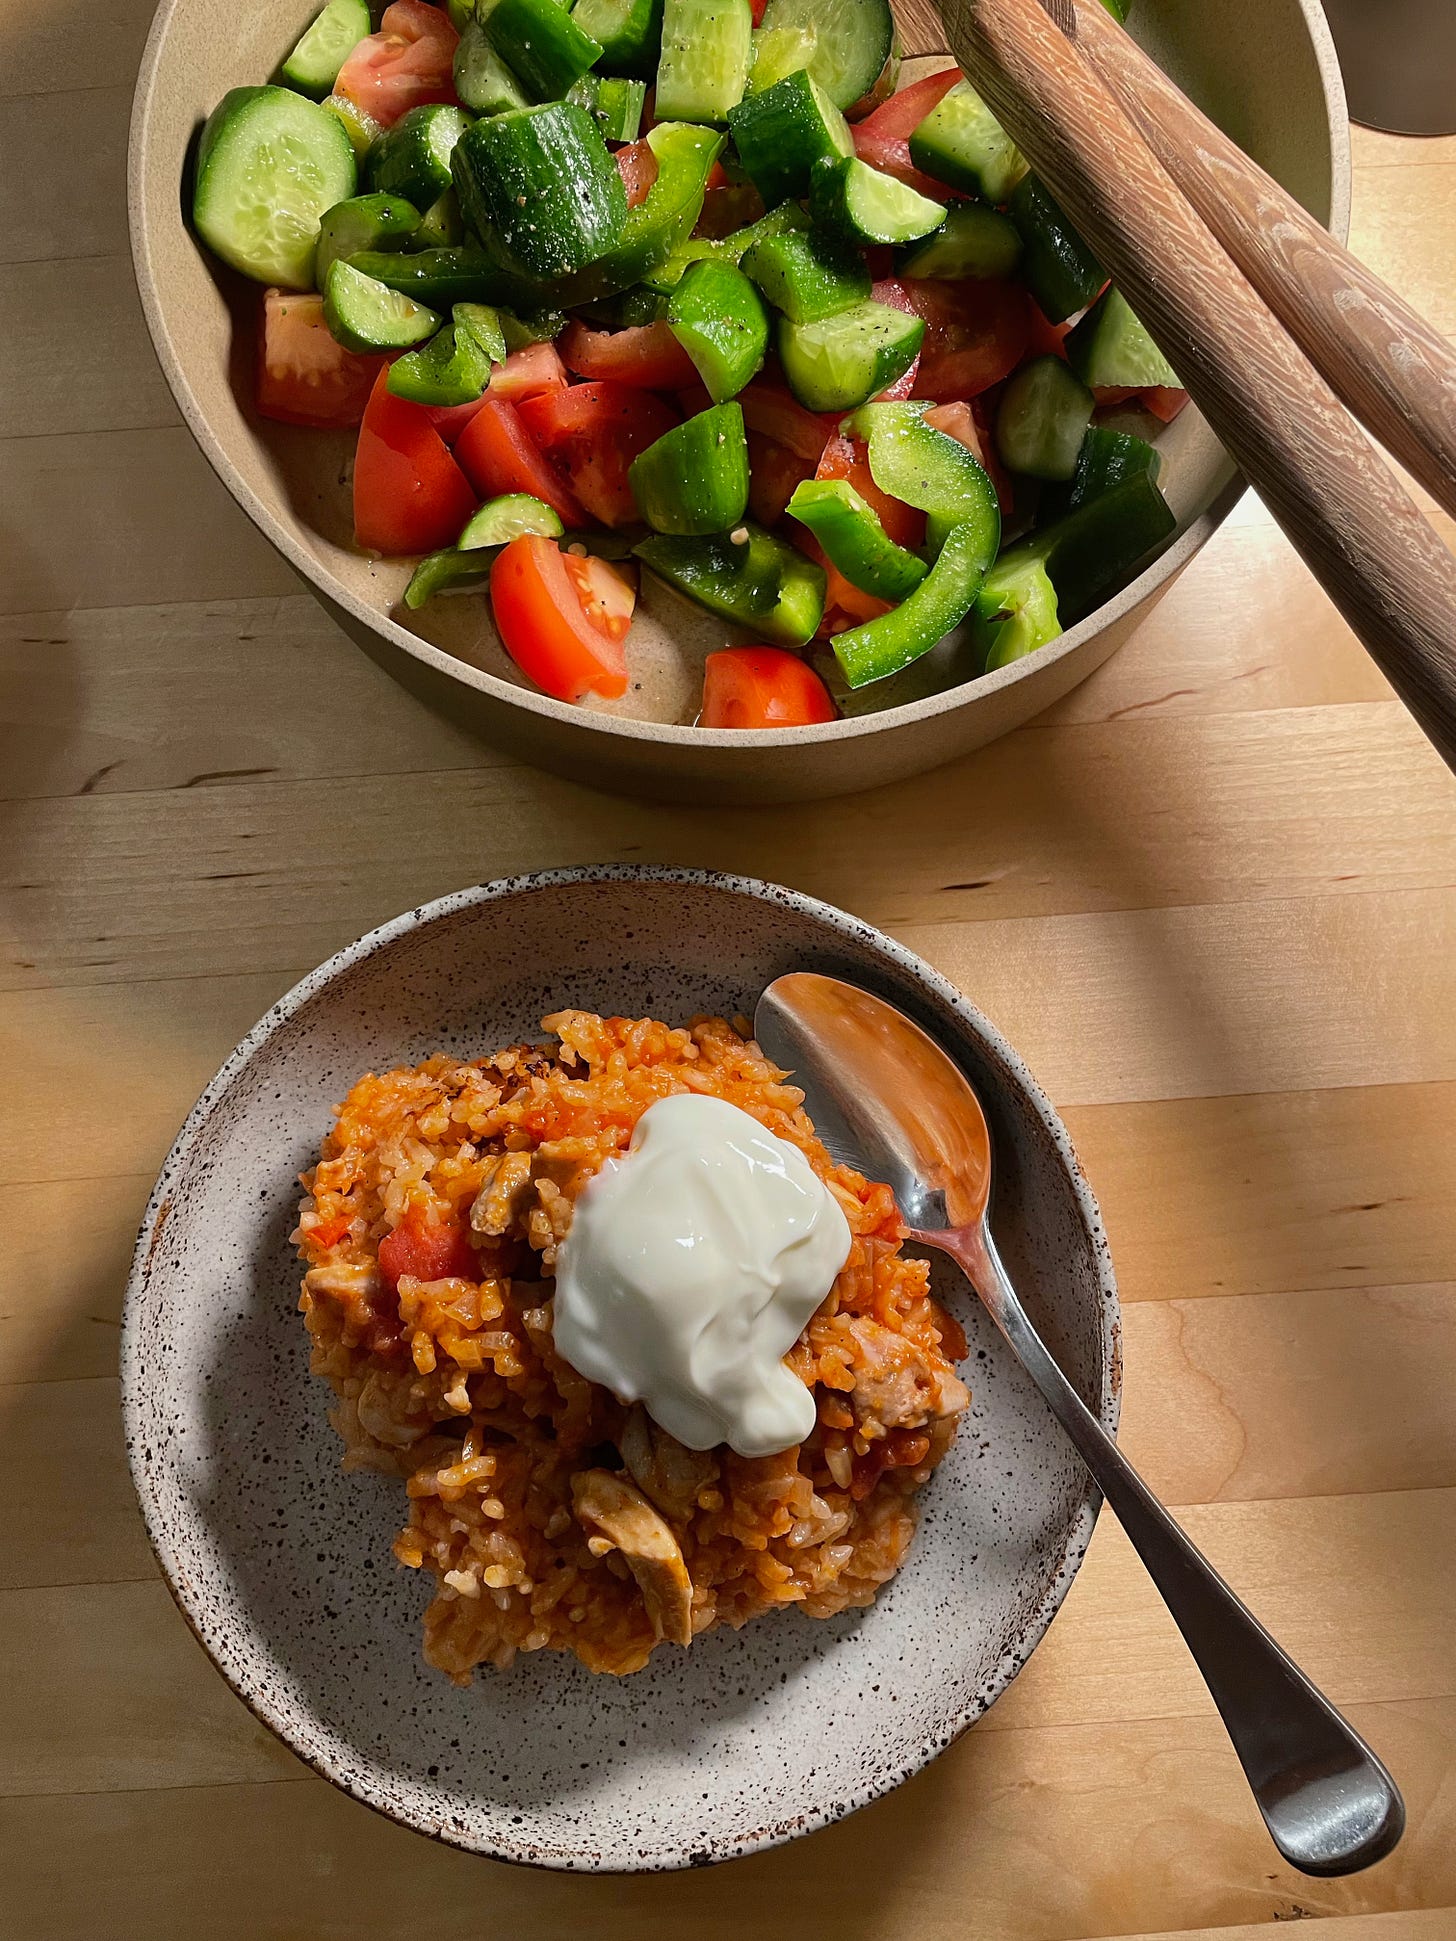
773 410
732 206
637 166
1045 339
647 355
608 593
526 373
845 604
762 687
408 62
757 8
1163 400
499 456
774 472
959 421
592 432
565 644
426 1250
305 376
409 494
883 138
976 333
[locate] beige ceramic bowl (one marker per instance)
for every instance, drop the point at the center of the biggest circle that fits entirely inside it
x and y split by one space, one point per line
1266 69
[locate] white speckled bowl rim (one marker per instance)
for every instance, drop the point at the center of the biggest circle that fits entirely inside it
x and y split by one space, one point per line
331 1763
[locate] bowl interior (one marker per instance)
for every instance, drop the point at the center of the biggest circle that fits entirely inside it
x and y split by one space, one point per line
1262 67
282 1563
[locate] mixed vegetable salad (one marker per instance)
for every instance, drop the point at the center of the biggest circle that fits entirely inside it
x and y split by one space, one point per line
686 283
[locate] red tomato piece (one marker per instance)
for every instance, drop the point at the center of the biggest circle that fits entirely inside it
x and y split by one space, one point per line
1163 401
762 687
593 432
499 456
976 334
883 138
547 629
526 373
647 355
409 494
1045 339
408 62
773 474
773 410
426 1250
732 206
757 8
637 166
305 376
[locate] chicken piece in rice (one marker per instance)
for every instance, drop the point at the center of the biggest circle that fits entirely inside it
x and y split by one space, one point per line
550 1515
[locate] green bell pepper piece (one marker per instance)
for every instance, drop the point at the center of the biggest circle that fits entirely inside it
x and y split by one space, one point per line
720 320
927 468
453 368
763 584
941 601
482 322
1015 610
694 479
849 529
661 222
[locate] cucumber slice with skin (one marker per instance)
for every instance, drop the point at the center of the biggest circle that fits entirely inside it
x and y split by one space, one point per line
514 515
718 317
441 226
961 143
852 41
1060 271
973 241
1042 418
614 104
412 158
366 315
363 222
1111 345
442 278
839 362
779 52
453 368
541 183
629 33
763 583
702 71
865 206
460 13
483 81
784 132
314 64
805 275
546 48
269 164
694 479
521 329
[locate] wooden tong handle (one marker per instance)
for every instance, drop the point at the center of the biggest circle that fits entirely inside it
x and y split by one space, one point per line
1340 504
1392 368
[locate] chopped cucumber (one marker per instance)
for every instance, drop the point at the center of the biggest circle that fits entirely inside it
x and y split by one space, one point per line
1106 459
1097 547
849 529
442 278
1044 412
628 31
694 480
314 64
366 315
453 368
1061 272
961 143
363 222
521 329
515 515
483 323
762 583
1112 346
1015 611
839 362
858 202
540 181
614 104
973 241
783 132
269 164
483 81
659 226
412 158
719 319
441 226
546 47
362 130
852 41
780 51
805 275
703 68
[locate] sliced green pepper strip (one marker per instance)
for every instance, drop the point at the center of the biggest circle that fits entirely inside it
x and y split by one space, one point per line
468 563
447 572
720 321
927 468
661 222
941 601
763 584
848 528
1015 610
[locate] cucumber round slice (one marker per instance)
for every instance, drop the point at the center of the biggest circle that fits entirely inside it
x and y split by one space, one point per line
412 158
314 64
1042 418
269 164
840 361
973 241
363 222
852 41
509 517
859 202
364 314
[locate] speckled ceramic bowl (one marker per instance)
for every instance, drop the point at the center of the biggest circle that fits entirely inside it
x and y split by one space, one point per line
1265 69
282 1564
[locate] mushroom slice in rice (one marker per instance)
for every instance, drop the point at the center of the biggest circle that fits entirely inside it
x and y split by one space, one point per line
615 1509
668 1474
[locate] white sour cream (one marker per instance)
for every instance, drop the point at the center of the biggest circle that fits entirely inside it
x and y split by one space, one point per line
690 1270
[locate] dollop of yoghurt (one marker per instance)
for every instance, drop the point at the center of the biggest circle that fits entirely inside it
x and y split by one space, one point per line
692 1267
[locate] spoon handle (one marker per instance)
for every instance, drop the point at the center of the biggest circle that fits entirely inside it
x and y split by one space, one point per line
1328 1802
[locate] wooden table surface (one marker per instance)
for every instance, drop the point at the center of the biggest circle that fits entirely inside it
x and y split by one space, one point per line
1212 896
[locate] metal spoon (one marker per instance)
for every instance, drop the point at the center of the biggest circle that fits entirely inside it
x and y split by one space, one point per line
887 1099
